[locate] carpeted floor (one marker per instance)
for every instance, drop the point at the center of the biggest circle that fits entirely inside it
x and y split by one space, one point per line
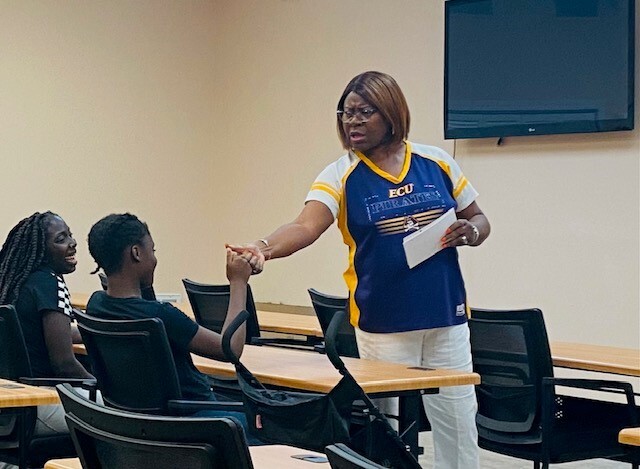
489 460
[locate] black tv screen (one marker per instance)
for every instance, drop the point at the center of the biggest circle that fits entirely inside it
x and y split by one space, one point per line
531 67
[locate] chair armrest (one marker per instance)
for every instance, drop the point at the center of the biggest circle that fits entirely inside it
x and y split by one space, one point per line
183 407
549 396
280 342
90 384
619 387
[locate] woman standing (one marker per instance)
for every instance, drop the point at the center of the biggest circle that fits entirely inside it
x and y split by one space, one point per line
383 189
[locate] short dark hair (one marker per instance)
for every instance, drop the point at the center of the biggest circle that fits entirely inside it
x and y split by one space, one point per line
382 92
22 253
109 237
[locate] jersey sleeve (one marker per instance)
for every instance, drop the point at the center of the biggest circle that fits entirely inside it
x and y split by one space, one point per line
327 188
464 193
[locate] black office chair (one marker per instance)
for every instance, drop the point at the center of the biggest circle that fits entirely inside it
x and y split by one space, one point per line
147 292
18 445
325 307
520 414
134 366
106 437
340 456
210 303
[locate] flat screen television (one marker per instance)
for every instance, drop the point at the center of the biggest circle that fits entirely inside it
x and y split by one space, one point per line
532 67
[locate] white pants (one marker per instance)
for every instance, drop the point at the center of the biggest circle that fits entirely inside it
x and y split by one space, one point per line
50 421
50 418
451 412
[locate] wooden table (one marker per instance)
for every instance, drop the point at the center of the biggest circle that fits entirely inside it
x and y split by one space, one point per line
14 394
630 436
617 360
263 457
311 371
80 300
288 323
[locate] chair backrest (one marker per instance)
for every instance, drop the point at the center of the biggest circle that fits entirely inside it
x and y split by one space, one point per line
510 351
14 358
210 303
340 456
132 362
326 307
14 364
107 437
147 292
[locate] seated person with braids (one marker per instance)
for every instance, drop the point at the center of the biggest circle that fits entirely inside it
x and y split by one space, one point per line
38 251
123 248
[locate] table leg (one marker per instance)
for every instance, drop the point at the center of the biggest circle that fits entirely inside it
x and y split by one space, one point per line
409 420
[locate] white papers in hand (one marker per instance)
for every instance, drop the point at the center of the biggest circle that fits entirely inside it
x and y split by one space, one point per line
424 243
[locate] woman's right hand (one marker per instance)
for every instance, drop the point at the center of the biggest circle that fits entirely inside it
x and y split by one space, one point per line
314 220
251 253
238 267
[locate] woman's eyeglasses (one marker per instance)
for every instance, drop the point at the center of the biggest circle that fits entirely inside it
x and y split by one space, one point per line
363 114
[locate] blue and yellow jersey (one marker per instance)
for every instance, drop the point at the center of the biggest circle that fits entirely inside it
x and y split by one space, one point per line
375 211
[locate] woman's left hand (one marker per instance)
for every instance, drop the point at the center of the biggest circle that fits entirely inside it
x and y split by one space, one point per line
471 228
460 233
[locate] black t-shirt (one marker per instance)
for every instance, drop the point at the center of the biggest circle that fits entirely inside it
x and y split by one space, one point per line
43 291
180 330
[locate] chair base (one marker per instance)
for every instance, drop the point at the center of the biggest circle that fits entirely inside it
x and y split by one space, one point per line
41 450
594 435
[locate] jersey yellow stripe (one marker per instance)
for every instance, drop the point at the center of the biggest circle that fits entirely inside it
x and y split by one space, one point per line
389 177
462 183
326 188
397 225
423 216
390 231
349 275
390 226
407 161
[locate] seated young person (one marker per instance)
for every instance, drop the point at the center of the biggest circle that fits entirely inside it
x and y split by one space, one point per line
123 248
38 251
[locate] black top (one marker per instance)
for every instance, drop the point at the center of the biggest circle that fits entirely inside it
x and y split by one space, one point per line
180 330
43 291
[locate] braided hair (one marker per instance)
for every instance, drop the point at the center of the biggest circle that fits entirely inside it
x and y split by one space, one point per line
110 236
22 253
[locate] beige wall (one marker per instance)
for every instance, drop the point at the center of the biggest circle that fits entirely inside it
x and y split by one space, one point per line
211 119
108 107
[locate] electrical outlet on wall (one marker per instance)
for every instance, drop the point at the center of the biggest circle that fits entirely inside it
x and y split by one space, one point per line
169 297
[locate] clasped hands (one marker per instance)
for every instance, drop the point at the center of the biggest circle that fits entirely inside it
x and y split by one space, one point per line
250 253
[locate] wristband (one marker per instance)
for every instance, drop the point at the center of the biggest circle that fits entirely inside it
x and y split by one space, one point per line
266 253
